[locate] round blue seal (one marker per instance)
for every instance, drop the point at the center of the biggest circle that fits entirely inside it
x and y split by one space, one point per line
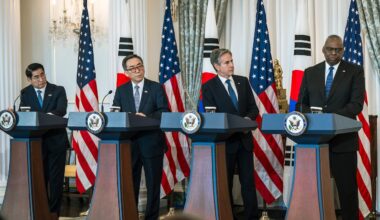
95 122
295 123
190 122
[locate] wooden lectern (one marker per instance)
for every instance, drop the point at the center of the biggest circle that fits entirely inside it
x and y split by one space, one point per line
25 195
208 193
113 197
311 194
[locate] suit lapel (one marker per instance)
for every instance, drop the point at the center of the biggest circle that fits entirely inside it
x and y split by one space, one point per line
144 94
320 80
34 100
339 77
130 96
240 91
223 92
47 96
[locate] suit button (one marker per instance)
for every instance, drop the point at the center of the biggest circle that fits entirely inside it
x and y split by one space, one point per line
325 106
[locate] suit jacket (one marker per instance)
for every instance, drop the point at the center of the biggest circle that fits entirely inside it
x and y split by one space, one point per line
153 103
215 94
346 98
55 102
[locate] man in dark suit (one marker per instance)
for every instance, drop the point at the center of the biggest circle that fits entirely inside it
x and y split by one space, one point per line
233 94
337 87
42 96
145 98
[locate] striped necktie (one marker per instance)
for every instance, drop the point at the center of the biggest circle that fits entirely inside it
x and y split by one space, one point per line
232 94
39 96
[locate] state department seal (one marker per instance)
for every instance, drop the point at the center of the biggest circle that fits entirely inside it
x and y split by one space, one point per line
7 120
95 122
190 122
295 123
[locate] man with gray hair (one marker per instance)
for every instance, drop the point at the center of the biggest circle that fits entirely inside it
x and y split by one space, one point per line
232 94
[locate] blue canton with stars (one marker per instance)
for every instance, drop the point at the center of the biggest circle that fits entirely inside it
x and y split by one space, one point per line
261 73
169 62
353 52
86 68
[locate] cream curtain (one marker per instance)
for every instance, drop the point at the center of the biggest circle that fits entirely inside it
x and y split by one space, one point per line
10 73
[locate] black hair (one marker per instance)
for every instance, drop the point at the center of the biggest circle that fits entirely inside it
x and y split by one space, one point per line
33 67
124 62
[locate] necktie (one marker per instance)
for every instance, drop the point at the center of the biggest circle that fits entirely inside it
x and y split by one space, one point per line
39 96
329 81
232 94
137 98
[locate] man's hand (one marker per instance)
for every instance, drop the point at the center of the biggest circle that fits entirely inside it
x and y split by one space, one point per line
141 114
11 109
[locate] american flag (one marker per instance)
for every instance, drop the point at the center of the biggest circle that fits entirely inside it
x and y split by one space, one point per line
268 149
177 158
353 53
86 100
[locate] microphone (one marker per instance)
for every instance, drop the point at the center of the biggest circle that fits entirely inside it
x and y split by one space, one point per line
102 106
14 102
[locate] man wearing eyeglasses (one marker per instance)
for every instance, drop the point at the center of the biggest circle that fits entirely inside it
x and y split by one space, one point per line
145 98
337 87
42 96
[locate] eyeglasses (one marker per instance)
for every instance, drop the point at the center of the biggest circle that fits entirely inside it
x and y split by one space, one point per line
332 49
135 68
38 77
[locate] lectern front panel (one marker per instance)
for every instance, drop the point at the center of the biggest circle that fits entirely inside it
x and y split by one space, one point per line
25 196
17 185
208 192
200 200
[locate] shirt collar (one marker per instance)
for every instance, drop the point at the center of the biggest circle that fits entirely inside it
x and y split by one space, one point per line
140 84
42 89
223 79
327 67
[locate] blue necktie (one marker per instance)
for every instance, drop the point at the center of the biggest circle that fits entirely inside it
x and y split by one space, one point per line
39 96
232 94
329 81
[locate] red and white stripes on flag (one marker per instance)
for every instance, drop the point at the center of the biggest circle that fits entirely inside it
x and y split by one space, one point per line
84 143
302 60
363 176
86 100
353 53
268 148
177 158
